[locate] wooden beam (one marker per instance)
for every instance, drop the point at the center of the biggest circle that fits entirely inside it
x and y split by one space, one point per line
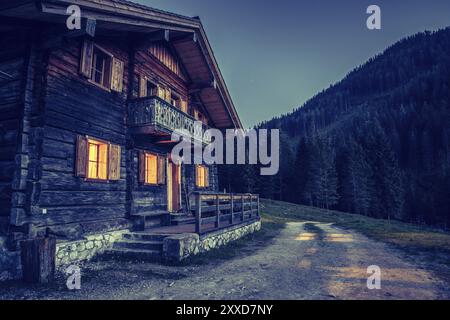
197 87
160 35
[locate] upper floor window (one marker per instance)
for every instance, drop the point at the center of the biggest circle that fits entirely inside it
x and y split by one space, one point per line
101 67
175 100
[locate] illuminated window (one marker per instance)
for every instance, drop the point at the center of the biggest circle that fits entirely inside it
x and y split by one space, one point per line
97 160
151 168
202 180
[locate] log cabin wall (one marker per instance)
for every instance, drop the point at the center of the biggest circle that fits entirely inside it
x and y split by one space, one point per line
74 106
44 108
13 63
144 198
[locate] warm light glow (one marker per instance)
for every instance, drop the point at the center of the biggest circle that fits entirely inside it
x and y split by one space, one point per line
151 168
201 176
98 160
339 237
306 236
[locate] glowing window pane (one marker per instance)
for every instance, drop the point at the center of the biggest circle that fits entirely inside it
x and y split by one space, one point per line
151 169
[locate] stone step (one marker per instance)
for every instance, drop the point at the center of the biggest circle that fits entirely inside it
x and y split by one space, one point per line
134 254
143 236
134 244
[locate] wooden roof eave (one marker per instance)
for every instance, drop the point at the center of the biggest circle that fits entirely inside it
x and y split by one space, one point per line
120 13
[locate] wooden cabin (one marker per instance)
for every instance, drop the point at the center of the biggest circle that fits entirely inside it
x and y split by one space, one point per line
86 116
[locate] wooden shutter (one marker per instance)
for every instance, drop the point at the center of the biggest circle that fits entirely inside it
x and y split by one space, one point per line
161 170
142 86
81 156
87 53
114 162
117 75
141 173
206 174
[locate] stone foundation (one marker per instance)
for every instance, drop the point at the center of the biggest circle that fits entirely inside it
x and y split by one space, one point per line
10 266
181 246
81 250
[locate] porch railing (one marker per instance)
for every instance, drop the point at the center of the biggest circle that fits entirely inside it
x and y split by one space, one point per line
158 113
223 210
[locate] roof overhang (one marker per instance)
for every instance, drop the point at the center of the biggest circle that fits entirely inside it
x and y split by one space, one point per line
188 38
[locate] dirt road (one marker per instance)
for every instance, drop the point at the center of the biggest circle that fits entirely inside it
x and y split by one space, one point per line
306 261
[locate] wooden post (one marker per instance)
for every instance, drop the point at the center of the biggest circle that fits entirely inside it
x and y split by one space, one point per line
257 205
232 208
251 206
243 207
217 224
38 259
198 213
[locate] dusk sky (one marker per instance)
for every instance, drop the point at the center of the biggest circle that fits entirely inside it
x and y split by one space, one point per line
275 55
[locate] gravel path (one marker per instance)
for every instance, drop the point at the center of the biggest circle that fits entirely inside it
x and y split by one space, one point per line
306 261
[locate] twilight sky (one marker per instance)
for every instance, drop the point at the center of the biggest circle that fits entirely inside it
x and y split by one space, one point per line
275 55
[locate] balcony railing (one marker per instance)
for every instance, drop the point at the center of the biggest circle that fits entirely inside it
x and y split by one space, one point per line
160 116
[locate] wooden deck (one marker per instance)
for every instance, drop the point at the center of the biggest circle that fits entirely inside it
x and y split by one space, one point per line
190 228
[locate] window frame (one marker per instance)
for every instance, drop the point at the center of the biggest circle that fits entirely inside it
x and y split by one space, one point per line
205 183
110 56
98 142
146 153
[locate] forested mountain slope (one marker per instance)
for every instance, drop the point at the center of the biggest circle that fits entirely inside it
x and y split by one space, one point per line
376 143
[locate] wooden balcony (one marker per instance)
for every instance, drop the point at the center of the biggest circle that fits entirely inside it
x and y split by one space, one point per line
155 116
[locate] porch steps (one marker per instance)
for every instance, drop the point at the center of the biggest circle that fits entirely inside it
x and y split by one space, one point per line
142 246
135 254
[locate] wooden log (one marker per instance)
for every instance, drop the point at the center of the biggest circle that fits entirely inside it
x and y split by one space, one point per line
217 224
38 259
232 208
198 213
242 207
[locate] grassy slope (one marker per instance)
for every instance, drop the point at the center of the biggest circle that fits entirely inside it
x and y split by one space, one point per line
423 244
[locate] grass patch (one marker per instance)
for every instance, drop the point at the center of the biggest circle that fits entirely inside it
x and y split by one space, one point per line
270 228
428 244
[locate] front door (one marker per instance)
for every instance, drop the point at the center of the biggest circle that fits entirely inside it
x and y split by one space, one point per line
173 186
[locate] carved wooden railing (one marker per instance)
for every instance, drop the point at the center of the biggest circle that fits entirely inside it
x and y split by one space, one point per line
158 113
221 210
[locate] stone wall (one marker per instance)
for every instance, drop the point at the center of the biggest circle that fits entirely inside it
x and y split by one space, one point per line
81 250
181 246
10 267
